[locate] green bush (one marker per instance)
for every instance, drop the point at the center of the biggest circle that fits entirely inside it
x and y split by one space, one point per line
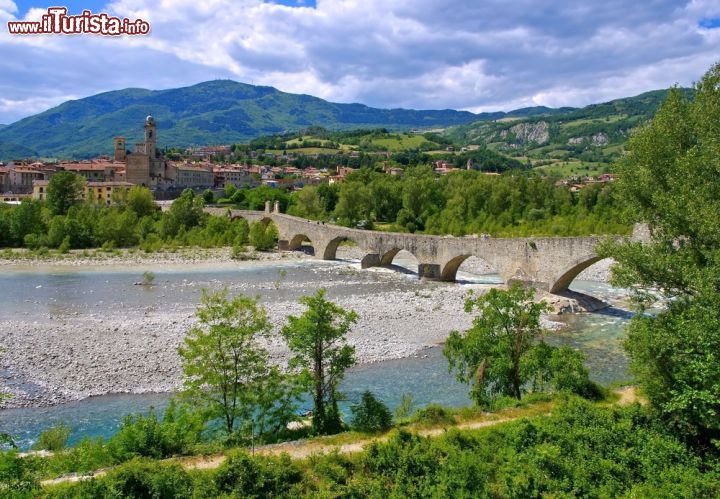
53 439
404 408
263 236
245 476
142 479
147 436
434 414
370 415
88 455
17 476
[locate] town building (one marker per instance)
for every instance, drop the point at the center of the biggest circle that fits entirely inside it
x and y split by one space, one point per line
96 192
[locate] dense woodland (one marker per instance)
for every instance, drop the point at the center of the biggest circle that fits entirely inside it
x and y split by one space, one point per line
463 203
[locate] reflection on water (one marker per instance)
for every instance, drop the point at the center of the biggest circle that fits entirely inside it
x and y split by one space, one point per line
52 295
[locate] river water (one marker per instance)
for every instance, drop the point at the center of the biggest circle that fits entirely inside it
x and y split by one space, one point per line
51 294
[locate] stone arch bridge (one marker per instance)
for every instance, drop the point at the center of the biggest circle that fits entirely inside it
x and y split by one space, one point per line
546 263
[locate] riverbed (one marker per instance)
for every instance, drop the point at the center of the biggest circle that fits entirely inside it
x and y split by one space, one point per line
74 335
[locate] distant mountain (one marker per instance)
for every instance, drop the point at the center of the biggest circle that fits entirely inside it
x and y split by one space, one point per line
214 112
592 134
224 111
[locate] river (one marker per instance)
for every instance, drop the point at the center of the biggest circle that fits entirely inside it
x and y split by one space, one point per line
47 295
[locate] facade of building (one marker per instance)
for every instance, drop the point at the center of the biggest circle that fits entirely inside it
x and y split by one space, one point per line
187 175
234 176
96 192
20 178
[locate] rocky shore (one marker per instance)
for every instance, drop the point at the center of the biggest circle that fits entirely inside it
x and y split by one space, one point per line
55 358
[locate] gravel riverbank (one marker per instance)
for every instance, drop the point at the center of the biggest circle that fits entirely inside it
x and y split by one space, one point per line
52 358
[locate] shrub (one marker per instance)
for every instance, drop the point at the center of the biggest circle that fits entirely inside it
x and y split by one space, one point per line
257 476
64 245
404 409
434 414
17 477
88 455
147 436
53 439
370 414
263 236
140 479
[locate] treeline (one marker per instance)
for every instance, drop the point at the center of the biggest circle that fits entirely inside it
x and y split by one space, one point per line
67 221
462 203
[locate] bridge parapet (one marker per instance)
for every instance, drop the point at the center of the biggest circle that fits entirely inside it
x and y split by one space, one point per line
548 263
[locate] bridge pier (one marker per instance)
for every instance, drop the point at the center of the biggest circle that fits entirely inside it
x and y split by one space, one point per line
429 271
370 260
284 245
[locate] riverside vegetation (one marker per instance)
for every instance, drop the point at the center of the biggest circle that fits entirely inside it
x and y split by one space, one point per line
668 448
65 221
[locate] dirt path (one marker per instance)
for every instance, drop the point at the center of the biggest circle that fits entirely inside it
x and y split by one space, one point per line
301 449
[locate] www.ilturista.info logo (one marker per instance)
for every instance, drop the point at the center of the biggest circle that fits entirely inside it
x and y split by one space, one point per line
57 21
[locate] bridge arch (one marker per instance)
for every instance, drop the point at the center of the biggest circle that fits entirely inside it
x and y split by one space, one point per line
330 251
563 281
388 257
296 242
449 271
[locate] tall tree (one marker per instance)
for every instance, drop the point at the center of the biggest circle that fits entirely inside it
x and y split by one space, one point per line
226 370
493 353
670 180
185 212
318 340
64 190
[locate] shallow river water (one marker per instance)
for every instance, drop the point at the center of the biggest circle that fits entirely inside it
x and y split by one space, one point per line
50 294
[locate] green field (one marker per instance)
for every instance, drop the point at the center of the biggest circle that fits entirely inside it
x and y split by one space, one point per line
566 169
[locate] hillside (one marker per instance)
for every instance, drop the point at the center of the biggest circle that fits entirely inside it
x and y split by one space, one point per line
567 140
214 112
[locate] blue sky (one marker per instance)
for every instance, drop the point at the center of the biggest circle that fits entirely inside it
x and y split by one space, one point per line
478 55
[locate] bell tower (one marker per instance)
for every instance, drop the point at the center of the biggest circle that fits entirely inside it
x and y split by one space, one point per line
120 151
150 137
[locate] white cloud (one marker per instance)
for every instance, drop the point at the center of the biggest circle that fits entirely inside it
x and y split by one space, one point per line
472 55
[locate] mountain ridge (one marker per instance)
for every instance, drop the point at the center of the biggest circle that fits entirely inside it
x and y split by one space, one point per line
213 112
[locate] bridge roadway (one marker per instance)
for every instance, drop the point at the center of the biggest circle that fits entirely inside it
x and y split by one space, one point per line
547 263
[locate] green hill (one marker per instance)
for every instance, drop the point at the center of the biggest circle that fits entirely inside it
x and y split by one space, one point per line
214 112
567 140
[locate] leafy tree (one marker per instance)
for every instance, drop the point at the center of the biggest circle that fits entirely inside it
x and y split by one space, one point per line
226 370
185 212
307 203
669 179
370 414
318 340
263 236
208 196
354 204
492 354
229 190
141 201
64 190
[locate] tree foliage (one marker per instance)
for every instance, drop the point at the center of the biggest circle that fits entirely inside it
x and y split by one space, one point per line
503 352
670 180
317 339
64 190
227 372
370 414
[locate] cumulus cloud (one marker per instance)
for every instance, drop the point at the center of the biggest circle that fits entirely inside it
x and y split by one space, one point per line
489 55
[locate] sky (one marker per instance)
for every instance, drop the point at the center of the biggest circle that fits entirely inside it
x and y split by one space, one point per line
476 55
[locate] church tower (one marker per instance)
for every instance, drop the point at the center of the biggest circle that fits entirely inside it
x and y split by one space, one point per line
120 151
150 137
